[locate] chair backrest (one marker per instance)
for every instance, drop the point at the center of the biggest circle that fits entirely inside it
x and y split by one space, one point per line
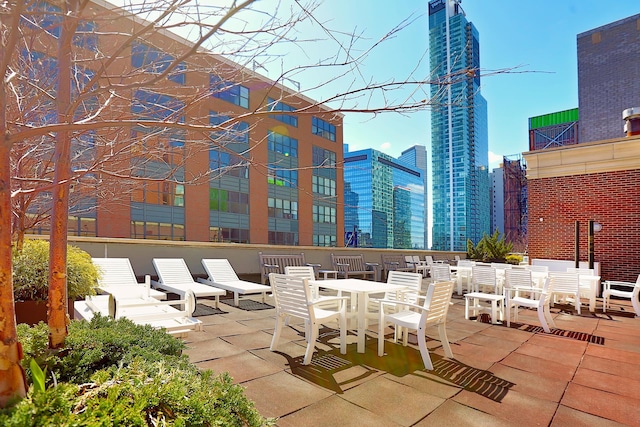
405 278
115 271
409 259
484 276
304 271
538 268
416 259
565 282
440 272
583 271
348 262
502 265
291 295
517 278
429 259
437 301
466 263
219 270
172 271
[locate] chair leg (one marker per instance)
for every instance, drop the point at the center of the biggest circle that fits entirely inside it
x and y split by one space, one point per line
424 351
381 325
442 331
550 320
343 333
276 333
605 301
543 321
636 305
312 331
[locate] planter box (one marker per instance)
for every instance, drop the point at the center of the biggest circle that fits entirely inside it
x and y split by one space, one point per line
32 312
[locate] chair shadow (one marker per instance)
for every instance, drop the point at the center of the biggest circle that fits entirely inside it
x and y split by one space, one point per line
398 361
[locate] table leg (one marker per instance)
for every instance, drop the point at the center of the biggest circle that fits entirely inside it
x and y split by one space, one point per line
361 301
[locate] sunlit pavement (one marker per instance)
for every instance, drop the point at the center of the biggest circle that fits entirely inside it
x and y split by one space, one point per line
584 373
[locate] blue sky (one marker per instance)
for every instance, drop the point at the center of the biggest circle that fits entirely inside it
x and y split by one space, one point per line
537 36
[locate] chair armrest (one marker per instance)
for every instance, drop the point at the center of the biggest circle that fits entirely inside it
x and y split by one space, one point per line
400 303
313 265
609 283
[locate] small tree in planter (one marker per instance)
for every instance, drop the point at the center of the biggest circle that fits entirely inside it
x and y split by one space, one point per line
30 277
490 248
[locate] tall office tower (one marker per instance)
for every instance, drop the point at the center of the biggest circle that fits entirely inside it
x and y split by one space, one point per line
608 77
384 202
416 156
460 157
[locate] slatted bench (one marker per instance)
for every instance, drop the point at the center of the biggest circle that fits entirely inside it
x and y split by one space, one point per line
276 264
392 262
354 266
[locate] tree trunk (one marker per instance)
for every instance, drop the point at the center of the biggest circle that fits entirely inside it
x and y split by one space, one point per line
57 315
13 383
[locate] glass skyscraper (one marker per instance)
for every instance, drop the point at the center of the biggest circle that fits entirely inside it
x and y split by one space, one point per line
459 139
384 202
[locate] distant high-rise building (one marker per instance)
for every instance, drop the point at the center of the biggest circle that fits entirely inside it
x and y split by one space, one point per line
460 156
384 201
497 199
417 156
608 77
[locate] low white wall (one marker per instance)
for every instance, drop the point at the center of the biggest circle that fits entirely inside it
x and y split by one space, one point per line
562 265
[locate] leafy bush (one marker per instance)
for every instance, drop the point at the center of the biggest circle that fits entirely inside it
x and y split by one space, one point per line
514 259
489 248
140 379
31 272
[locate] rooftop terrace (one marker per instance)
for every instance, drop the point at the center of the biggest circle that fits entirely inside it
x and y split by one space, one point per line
585 373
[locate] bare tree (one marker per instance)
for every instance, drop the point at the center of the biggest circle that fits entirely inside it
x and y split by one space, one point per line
85 109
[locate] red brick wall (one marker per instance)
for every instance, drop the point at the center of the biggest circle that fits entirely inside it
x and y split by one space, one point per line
612 199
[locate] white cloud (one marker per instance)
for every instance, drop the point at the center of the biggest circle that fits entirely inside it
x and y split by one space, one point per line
494 160
385 146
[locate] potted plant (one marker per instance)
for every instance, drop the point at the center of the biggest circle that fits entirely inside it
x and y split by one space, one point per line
31 275
490 248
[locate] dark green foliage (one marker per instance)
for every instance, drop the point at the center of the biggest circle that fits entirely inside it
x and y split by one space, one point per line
489 248
118 373
31 272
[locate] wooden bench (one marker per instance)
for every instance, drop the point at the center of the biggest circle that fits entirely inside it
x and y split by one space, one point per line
354 266
393 262
277 263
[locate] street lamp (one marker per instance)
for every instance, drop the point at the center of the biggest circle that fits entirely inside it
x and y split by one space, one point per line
594 227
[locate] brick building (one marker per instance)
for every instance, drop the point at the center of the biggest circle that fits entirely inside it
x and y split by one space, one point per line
272 170
597 181
608 77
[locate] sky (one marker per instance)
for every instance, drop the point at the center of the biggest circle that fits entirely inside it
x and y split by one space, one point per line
534 39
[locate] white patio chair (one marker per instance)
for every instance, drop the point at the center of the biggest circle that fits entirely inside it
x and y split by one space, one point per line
566 284
518 280
626 290
292 296
174 276
440 273
538 299
117 278
222 275
413 282
485 288
413 316
308 272
419 266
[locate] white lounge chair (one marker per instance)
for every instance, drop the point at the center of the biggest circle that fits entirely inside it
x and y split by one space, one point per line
626 290
222 275
117 278
174 276
143 311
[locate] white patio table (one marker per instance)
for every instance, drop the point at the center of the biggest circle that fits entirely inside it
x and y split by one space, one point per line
361 289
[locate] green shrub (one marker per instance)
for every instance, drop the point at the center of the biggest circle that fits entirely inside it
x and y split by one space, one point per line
113 372
31 272
514 259
489 248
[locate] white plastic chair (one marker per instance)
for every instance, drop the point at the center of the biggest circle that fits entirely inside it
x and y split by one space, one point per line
413 316
629 291
440 272
220 274
538 299
292 296
485 288
566 284
308 272
174 276
413 282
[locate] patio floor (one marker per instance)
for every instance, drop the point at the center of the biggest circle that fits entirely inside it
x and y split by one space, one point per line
585 373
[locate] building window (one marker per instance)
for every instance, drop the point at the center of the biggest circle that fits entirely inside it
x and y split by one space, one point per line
229 91
280 208
157 230
322 128
228 201
323 159
324 214
283 238
324 186
229 235
165 193
324 240
48 17
233 133
282 177
281 106
155 61
282 144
